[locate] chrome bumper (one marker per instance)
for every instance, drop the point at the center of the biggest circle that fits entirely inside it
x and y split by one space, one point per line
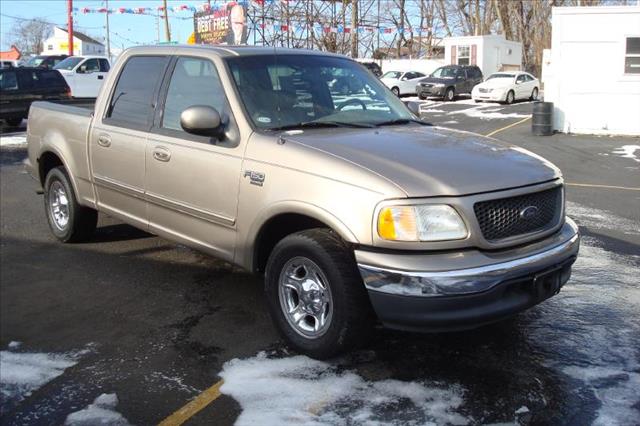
451 279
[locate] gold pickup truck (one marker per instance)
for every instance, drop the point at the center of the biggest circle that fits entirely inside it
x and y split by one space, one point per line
356 211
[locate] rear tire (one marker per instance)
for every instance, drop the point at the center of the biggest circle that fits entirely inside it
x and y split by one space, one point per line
69 221
396 91
449 95
534 94
316 296
421 96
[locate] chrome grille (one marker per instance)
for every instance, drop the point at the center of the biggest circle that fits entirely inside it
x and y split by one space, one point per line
483 90
514 216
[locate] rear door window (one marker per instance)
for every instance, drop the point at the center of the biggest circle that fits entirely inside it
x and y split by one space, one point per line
132 99
8 80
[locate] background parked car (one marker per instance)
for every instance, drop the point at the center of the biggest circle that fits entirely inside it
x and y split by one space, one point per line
84 74
45 61
8 63
448 81
19 87
374 68
507 87
402 83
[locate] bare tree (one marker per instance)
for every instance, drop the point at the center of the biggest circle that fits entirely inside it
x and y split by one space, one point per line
29 35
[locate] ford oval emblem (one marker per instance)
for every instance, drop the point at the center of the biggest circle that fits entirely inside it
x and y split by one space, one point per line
529 212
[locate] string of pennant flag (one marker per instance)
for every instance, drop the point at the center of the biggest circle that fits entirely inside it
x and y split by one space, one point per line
274 26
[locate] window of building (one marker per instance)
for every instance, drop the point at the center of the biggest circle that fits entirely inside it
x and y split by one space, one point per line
464 55
632 56
50 47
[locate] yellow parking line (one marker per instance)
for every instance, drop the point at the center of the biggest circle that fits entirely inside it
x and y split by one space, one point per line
589 185
185 413
508 127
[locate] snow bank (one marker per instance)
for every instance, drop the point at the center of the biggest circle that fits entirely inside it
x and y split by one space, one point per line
302 391
13 140
628 151
101 412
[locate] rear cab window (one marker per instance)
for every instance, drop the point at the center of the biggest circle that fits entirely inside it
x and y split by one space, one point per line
8 80
132 100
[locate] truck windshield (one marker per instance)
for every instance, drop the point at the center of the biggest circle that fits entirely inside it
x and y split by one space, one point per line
447 72
68 64
283 91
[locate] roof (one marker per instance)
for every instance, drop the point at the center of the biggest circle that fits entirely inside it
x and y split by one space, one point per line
231 51
11 55
82 37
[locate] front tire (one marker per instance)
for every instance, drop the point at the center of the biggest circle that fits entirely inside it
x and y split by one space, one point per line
396 91
69 221
316 295
510 97
450 95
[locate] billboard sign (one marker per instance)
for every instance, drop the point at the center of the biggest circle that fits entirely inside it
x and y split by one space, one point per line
223 25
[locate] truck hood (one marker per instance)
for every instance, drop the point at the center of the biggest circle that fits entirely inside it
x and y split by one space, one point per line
432 161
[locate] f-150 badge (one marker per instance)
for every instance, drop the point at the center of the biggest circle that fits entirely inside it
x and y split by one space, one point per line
255 178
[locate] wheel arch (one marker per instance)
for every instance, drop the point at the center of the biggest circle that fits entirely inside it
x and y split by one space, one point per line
283 220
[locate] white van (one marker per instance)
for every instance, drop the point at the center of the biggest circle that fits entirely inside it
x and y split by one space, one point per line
84 74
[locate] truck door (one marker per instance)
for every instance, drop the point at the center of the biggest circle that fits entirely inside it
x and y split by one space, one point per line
192 181
88 79
117 143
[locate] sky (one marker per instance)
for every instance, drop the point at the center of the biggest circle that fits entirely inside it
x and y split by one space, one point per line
126 29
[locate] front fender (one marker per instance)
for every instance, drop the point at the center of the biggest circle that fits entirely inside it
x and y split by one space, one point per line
244 256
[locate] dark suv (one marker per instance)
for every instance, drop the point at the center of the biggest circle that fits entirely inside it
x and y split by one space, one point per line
448 81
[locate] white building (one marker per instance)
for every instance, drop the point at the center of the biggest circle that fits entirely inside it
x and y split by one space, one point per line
593 76
492 53
58 44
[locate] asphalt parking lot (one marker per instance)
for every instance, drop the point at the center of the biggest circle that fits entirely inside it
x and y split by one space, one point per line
159 325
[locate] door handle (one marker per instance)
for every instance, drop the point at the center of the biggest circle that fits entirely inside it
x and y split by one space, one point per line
100 77
162 154
104 140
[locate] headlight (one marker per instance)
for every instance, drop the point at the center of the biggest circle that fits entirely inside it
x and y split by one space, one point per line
436 222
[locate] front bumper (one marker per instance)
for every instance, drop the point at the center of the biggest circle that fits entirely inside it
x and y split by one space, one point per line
468 289
495 96
429 91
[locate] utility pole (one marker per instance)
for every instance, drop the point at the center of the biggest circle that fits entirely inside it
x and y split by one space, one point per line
354 28
167 33
108 40
70 25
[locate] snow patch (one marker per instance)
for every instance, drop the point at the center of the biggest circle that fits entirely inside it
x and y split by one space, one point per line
23 373
628 151
600 219
13 140
302 391
101 412
488 114
14 345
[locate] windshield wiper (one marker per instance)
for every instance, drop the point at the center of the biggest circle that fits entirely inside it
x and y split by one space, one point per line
401 121
318 124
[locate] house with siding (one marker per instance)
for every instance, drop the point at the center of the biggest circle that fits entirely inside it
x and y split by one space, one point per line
492 53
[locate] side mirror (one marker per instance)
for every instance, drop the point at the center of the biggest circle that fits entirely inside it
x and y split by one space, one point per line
202 120
82 69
